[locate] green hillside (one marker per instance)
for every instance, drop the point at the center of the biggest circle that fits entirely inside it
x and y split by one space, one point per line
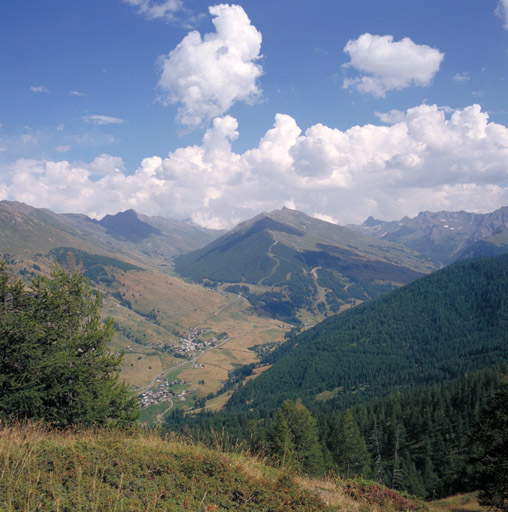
99 470
287 262
436 328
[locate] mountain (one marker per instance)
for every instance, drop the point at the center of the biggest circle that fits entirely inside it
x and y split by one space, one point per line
286 263
493 245
442 236
127 225
434 329
148 240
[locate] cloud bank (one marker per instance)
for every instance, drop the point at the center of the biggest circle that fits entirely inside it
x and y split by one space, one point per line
207 75
427 158
384 64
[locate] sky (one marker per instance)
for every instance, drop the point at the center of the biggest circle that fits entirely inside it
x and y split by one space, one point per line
213 112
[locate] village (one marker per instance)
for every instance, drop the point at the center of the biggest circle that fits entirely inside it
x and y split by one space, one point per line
192 343
187 348
163 393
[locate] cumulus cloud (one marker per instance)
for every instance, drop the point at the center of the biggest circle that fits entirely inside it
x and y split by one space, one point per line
431 158
392 117
207 75
502 12
39 88
99 119
384 64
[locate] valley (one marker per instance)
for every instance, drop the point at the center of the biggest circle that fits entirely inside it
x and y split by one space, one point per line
220 330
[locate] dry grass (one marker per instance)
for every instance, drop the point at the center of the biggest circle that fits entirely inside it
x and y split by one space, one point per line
100 470
459 503
142 371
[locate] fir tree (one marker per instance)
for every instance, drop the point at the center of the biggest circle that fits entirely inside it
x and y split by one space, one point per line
54 362
349 448
294 437
491 467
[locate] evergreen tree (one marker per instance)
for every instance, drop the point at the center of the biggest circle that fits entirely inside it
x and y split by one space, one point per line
294 438
349 448
491 467
54 363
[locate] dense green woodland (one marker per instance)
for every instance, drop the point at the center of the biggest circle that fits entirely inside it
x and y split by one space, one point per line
434 329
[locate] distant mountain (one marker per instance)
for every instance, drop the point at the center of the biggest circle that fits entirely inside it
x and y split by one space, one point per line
286 262
437 328
493 245
442 236
127 225
148 240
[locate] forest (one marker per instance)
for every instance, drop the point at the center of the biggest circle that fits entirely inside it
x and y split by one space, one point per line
413 369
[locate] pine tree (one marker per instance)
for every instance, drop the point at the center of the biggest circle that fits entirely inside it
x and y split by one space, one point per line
294 438
349 448
491 465
54 362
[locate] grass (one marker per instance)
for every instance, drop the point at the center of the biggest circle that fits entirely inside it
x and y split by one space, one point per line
459 503
101 470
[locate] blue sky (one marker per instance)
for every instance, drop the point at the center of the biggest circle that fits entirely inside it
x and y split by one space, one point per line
216 112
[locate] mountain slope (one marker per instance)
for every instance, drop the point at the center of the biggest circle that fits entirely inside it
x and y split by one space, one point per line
493 245
151 241
433 329
292 262
156 315
441 236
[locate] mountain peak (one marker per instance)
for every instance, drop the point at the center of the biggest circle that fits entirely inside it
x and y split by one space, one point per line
127 225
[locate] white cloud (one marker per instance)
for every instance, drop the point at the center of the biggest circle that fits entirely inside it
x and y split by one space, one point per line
63 149
462 77
502 12
98 119
77 93
384 65
207 75
39 88
165 9
392 117
432 158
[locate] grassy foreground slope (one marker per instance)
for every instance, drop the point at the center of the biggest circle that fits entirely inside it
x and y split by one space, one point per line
97 470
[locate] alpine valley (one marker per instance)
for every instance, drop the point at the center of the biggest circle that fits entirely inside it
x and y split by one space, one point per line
398 323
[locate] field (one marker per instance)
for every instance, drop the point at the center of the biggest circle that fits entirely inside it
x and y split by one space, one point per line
152 311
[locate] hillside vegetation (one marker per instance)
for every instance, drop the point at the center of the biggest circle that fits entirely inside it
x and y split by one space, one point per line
98 470
437 328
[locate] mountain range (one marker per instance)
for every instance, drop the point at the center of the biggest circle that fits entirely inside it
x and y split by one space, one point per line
444 236
161 278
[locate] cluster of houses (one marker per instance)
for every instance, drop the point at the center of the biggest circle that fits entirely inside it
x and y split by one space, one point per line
187 346
162 393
